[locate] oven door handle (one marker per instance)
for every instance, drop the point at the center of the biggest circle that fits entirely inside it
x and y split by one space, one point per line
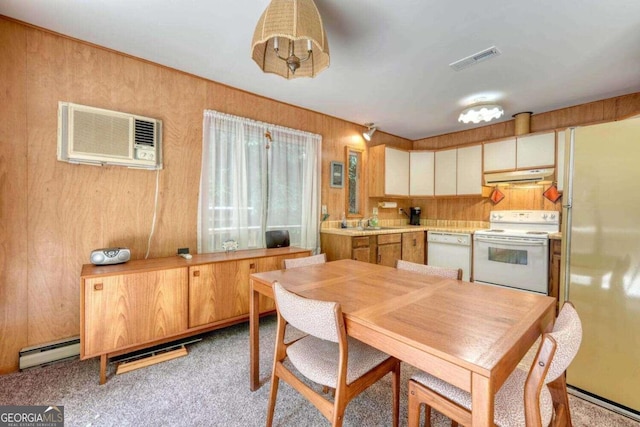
512 242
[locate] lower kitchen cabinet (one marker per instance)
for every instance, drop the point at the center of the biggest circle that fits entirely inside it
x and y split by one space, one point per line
413 249
142 303
389 249
554 269
383 249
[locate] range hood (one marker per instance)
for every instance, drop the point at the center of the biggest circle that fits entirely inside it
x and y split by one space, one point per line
517 177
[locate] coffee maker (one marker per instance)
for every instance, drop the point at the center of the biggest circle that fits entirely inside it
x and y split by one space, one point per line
414 217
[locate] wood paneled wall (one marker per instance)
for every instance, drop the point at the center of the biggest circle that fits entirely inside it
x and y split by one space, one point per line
52 214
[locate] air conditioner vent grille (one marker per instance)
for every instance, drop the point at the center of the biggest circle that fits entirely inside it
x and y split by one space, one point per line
144 133
475 58
99 133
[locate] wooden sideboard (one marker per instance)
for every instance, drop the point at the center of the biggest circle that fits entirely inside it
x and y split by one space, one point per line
143 303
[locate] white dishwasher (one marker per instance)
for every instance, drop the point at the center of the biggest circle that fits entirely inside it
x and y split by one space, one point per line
450 250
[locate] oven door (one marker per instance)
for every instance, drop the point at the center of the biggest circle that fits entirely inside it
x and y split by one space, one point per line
516 262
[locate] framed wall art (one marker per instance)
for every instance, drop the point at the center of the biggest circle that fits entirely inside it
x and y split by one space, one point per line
336 175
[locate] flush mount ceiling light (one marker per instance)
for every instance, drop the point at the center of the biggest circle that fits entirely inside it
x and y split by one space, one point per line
289 40
481 113
371 129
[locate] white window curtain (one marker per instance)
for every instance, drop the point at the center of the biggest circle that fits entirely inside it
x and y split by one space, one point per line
247 189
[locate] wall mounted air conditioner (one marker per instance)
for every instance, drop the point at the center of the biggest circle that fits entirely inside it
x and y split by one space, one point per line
103 137
517 177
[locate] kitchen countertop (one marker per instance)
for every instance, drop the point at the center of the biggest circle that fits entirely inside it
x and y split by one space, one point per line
555 236
354 231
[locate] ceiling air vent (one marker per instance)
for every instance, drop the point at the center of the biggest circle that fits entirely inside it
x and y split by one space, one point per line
475 58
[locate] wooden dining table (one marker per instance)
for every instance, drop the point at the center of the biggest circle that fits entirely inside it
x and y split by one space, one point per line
469 335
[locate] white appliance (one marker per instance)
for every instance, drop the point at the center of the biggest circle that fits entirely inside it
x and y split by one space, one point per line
103 137
452 250
514 251
601 261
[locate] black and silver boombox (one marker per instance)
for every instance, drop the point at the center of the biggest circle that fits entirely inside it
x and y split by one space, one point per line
107 256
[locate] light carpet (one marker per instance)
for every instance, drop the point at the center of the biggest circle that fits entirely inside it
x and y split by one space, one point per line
210 387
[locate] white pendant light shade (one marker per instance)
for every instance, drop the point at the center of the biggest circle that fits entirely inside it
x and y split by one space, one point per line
289 40
481 113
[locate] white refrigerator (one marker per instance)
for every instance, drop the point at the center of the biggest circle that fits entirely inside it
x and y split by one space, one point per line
601 260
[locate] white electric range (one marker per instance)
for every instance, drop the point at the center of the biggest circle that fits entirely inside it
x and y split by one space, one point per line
514 251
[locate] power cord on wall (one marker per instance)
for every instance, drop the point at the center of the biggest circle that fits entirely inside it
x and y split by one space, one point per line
155 211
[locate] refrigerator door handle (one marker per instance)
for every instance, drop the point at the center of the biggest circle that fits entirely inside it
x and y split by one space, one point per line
566 254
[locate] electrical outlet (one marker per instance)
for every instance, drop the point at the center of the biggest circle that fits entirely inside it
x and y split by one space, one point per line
324 209
375 211
399 211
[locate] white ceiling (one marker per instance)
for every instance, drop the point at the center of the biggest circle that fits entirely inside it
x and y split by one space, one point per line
389 58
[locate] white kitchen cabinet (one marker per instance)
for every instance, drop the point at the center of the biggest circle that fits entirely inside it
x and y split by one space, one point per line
446 172
500 155
421 173
469 170
388 171
560 138
536 150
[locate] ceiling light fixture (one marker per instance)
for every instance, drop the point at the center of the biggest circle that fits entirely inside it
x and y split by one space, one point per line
371 129
295 28
481 113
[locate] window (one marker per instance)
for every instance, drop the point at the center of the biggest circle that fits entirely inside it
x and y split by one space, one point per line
257 177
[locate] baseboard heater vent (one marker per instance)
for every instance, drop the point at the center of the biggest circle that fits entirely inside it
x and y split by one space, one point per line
44 354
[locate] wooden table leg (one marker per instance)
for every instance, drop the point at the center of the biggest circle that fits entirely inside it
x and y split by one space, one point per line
482 400
254 339
103 369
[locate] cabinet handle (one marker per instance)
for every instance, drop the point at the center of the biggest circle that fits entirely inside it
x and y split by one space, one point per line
415 242
252 266
98 287
196 273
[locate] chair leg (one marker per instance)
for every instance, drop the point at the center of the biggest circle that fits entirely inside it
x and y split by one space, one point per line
338 408
395 384
272 398
560 397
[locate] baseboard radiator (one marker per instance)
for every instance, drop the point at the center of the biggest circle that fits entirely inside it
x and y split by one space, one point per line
43 354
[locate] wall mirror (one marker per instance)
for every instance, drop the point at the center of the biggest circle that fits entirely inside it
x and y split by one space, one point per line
354 182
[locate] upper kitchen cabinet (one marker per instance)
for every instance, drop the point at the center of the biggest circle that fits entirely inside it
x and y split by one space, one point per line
446 172
536 150
500 155
458 171
388 172
469 170
523 152
421 173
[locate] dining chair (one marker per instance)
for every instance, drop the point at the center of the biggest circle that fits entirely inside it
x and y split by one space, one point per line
325 356
303 262
526 398
450 273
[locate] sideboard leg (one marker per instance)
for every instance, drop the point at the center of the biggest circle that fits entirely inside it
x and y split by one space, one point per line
103 369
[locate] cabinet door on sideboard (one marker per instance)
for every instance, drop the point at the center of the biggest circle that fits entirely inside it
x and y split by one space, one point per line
218 291
129 309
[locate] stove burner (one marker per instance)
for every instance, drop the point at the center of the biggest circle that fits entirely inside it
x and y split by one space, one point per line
494 231
537 232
